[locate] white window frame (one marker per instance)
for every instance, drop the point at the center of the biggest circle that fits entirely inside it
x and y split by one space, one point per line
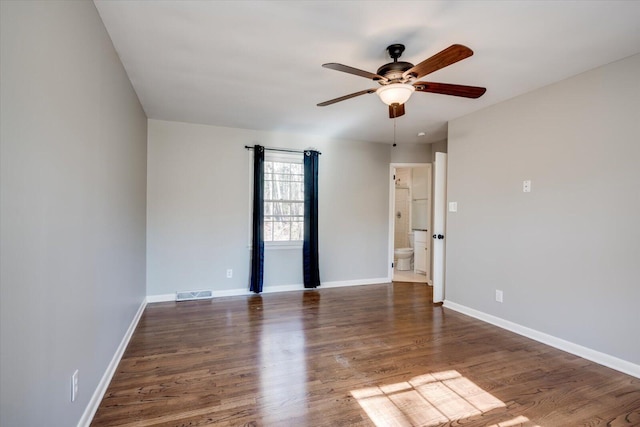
282 157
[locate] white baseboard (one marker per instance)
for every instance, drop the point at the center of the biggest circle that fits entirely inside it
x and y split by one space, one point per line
161 298
99 392
359 282
576 349
274 289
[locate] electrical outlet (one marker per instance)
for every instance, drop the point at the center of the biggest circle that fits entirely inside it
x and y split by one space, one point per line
498 295
526 186
74 386
229 273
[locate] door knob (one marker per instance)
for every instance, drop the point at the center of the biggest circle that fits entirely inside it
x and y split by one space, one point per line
440 236
434 236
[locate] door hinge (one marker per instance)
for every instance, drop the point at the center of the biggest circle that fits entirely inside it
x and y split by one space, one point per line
394 177
392 265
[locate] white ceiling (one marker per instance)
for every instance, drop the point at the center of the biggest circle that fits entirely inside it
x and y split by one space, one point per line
257 64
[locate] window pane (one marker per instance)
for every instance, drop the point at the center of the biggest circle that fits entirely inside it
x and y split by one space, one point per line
286 209
276 209
297 230
283 207
268 190
268 208
281 167
281 231
297 208
280 190
268 230
297 191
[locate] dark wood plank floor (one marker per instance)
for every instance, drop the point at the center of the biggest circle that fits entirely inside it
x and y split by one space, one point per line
360 356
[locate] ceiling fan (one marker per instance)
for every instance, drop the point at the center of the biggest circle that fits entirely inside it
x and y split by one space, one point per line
397 78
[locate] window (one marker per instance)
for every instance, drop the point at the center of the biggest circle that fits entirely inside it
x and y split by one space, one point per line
283 198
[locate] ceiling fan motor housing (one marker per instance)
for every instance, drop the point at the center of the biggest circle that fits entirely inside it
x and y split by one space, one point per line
394 70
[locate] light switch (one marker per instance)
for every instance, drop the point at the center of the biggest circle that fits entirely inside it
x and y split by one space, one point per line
453 206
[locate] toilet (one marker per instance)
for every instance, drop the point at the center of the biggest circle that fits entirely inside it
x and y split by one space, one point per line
404 256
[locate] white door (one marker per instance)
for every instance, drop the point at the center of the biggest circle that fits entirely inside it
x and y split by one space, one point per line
439 224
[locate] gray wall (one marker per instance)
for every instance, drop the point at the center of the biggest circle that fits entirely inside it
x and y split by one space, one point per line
566 255
199 209
411 153
438 147
73 156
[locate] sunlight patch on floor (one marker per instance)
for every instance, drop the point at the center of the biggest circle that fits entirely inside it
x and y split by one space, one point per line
429 400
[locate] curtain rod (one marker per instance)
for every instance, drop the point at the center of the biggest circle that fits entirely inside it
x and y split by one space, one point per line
284 150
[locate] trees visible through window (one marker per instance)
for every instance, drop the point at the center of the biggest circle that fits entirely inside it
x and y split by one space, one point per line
283 200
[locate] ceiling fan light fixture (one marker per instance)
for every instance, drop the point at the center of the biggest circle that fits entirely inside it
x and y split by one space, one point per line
395 93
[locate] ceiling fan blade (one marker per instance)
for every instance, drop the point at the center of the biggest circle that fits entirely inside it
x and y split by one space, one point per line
450 55
450 89
342 98
351 70
396 110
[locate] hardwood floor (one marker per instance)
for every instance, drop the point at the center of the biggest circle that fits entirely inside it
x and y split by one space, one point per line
358 356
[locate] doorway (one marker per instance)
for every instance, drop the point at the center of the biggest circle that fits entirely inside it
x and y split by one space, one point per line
410 222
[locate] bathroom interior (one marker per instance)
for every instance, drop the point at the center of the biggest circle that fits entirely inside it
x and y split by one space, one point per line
412 252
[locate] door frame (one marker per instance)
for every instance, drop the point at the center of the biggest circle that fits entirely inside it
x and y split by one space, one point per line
392 222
